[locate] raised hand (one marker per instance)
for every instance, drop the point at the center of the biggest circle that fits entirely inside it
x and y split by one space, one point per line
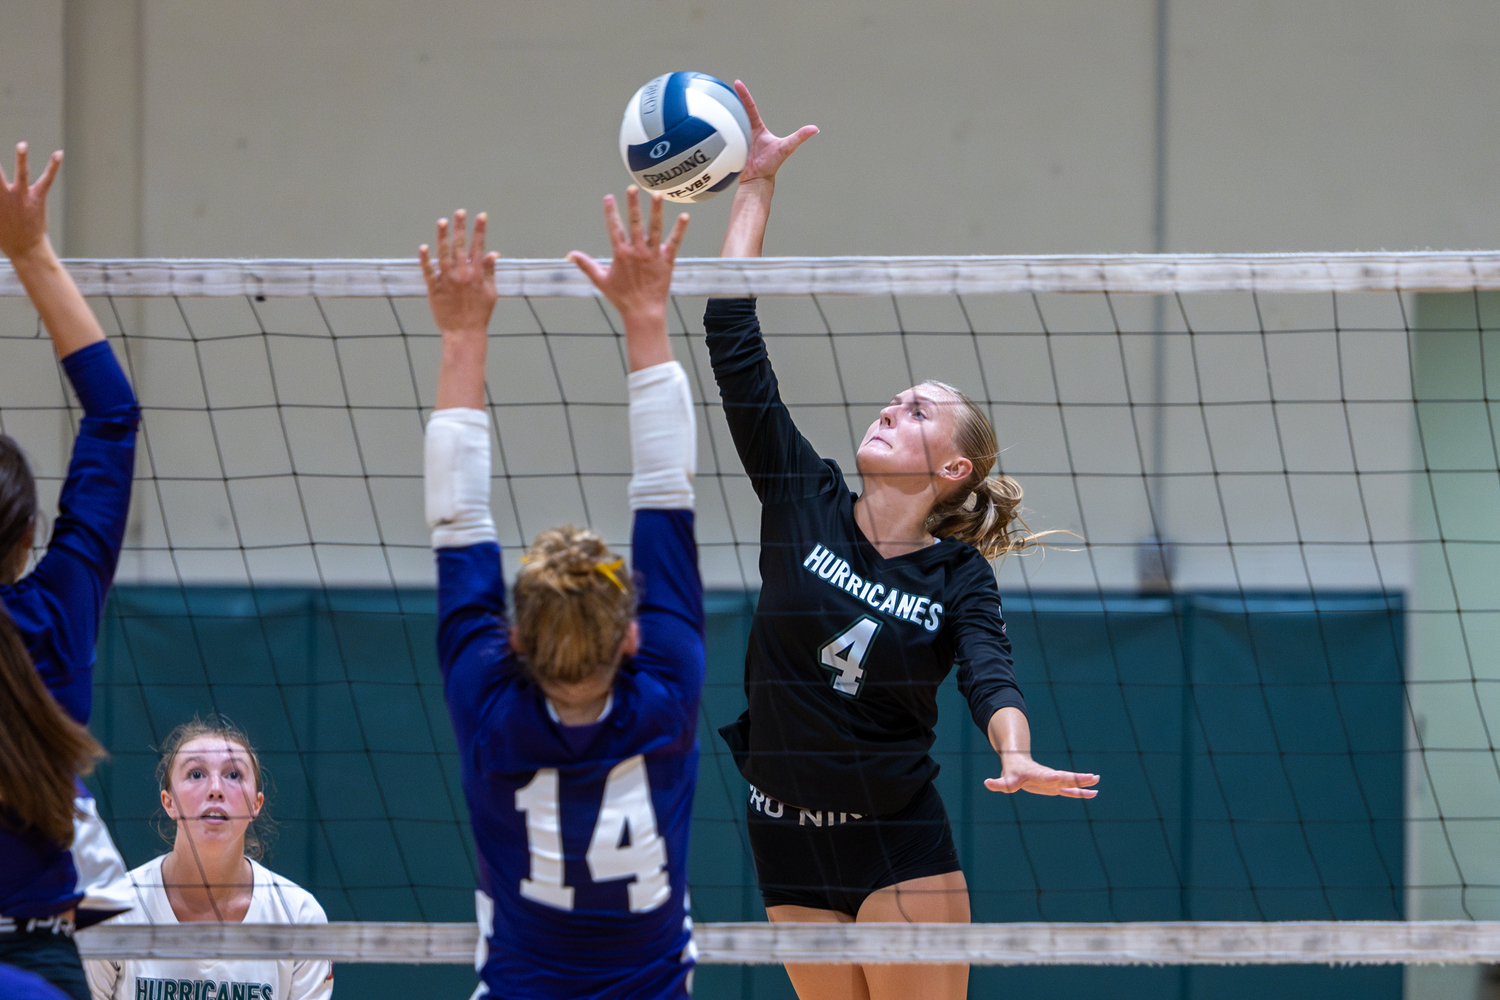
639 278
461 281
461 292
767 152
1022 774
23 205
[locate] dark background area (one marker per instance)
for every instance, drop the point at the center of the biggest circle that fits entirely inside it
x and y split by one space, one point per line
1250 748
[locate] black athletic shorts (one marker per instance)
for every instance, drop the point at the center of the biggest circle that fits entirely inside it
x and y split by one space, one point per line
44 948
831 860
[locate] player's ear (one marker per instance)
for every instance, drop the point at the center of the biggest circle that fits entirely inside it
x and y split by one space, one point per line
631 644
168 805
957 469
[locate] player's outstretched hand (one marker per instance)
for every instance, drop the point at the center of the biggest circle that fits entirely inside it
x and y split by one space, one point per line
23 205
767 152
1022 774
639 278
461 279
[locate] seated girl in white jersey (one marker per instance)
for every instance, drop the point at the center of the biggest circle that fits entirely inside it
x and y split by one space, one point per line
211 790
576 722
868 601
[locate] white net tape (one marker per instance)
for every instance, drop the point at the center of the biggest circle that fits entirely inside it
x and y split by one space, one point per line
1117 273
1322 942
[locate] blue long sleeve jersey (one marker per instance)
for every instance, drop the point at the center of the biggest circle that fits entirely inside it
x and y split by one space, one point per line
59 605
582 830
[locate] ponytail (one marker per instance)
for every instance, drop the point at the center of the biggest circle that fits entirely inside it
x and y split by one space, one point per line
985 511
988 518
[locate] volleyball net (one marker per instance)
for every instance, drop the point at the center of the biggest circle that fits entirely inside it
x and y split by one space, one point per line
1276 636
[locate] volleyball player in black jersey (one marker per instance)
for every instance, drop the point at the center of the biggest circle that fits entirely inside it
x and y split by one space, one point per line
867 602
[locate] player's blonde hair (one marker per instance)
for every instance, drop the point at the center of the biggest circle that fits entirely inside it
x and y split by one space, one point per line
574 601
258 833
985 510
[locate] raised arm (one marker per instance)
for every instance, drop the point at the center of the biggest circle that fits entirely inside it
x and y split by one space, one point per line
752 199
639 277
94 507
23 238
473 653
663 432
461 292
663 446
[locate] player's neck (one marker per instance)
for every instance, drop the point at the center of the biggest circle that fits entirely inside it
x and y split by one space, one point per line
207 885
893 521
580 713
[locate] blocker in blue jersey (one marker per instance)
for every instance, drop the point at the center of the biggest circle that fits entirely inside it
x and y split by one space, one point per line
576 715
55 854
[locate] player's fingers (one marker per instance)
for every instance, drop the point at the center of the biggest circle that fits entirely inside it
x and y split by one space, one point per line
429 273
590 267
489 265
653 229
442 243
750 109
612 223
1078 793
800 136
460 233
23 176
41 187
1076 779
1007 785
481 226
679 229
633 212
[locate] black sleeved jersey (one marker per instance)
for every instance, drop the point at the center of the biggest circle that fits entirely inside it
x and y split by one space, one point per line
847 648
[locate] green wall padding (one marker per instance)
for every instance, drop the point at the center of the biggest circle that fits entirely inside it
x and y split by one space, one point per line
1250 748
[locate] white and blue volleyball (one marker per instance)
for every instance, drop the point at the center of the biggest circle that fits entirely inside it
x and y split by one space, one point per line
685 135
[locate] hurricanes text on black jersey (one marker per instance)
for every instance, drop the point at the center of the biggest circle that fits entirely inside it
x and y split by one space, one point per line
847 648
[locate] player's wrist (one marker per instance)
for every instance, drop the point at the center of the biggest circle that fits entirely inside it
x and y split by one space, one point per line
34 257
466 333
644 317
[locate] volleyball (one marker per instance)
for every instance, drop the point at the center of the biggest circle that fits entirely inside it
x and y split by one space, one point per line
685 136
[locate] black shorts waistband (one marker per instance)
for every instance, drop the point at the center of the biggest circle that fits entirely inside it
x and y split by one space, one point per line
772 808
37 925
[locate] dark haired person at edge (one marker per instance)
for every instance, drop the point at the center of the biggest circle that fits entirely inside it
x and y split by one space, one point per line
57 607
213 793
867 602
577 722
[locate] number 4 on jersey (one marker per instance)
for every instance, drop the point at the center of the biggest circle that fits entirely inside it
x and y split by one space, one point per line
626 807
845 654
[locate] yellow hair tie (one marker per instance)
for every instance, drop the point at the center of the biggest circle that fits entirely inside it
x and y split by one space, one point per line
609 570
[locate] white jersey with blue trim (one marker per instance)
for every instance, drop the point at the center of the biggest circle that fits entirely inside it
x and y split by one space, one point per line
582 831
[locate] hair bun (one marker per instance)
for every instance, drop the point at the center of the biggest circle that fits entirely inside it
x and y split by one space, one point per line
566 558
574 600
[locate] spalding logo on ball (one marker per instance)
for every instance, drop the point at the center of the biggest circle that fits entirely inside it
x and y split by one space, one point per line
685 135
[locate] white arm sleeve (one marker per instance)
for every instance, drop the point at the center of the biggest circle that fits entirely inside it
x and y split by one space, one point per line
663 439
456 476
102 976
101 871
